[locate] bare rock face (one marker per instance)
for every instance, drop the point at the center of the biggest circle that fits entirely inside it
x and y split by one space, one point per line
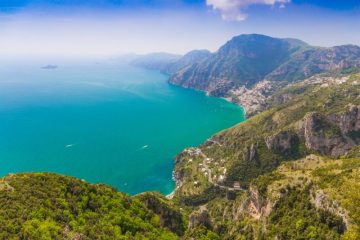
257 206
349 122
322 201
282 142
326 136
250 153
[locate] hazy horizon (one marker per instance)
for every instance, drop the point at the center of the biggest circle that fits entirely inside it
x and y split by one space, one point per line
38 28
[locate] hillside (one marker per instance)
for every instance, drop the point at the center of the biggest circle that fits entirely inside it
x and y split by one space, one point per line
51 206
321 116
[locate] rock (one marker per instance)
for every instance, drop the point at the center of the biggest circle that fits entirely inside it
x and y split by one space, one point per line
250 153
282 142
326 137
348 122
322 201
257 207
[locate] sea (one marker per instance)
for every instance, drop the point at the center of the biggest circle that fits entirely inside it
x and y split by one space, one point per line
102 120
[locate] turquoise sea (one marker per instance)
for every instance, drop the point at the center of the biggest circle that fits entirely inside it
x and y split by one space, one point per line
102 121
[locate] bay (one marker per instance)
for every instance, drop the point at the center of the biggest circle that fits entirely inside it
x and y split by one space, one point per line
103 121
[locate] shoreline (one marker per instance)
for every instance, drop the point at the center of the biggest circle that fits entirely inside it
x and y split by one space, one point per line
171 195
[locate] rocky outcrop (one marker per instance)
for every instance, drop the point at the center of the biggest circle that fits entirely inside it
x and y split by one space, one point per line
250 153
282 142
348 122
326 136
257 207
322 201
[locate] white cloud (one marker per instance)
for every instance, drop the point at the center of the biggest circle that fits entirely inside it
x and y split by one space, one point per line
232 10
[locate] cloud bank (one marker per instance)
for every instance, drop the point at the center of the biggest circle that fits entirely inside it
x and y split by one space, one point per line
233 10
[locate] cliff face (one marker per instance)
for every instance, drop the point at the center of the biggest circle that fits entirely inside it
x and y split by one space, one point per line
334 135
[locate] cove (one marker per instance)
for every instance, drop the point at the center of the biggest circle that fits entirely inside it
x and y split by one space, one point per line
102 121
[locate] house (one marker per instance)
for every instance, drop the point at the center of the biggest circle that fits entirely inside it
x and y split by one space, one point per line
237 186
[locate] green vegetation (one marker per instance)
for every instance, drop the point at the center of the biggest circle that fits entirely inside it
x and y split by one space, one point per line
236 143
50 206
296 187
294 217
201 233
341 180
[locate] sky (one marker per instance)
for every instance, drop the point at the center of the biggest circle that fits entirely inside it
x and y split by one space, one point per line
113 27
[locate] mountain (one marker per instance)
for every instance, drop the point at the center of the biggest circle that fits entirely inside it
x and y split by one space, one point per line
170 63
256 65
244 60
195 56
156 61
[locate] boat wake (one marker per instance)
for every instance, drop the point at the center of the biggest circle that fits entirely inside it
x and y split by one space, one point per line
70 145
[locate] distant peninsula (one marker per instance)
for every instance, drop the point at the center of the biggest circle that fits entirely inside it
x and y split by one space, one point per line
49 67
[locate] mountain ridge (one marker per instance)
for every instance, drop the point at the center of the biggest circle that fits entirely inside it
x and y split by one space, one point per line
255 66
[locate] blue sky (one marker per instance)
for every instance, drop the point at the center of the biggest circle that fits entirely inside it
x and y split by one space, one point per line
111 27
